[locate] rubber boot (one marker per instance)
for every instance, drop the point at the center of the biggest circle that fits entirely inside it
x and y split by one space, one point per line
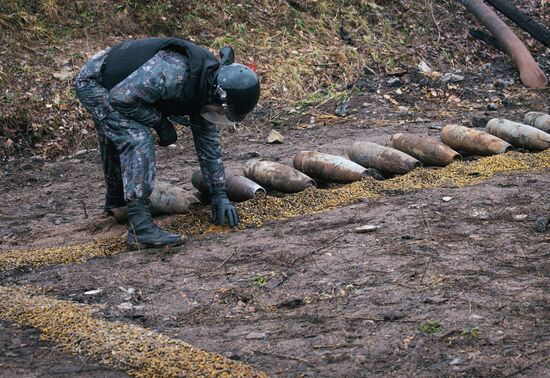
143 233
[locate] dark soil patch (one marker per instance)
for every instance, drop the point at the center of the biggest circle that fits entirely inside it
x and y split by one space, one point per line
22 354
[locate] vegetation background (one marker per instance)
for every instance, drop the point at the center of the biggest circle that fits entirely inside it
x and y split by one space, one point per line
308 52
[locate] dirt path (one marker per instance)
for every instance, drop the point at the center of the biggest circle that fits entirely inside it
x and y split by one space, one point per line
49 203
441 288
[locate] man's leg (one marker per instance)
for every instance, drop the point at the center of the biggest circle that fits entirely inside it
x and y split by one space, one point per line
114 196
95 98
128 154
135 146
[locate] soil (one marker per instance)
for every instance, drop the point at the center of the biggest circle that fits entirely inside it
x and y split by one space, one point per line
24 355
440 288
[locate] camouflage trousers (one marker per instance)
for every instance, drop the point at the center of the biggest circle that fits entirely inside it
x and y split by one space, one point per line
126 147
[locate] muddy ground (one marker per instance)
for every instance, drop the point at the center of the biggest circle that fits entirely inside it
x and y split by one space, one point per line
441 288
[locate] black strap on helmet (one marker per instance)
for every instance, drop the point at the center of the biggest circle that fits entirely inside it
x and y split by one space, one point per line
221 95
227 55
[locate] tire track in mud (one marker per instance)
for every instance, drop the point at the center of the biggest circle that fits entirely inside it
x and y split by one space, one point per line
264 209
135 350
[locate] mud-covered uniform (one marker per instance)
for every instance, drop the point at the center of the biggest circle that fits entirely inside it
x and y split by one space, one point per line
125 115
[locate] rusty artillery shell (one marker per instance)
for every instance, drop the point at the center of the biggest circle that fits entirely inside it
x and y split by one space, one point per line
331 168
518 134
239 188
279 177
385 159
165 199
539 120
120 214
170 199
425 149
474 142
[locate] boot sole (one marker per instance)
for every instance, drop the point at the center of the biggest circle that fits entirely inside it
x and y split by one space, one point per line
140 246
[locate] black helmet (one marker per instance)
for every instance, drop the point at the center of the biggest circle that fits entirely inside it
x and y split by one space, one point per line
237 90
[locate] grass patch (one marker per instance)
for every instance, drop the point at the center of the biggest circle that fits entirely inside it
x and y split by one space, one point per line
298 44
472 332
321 97
307 52
431 328
260 281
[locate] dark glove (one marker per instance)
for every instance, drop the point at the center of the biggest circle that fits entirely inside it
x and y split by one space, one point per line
166 132
222 208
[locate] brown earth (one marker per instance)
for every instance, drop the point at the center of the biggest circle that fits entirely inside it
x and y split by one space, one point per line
456 288
441 288
337 303
45 201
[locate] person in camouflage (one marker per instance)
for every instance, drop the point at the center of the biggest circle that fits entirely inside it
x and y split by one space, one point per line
136 86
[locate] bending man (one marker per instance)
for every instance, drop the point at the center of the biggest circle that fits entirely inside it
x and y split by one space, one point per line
134 87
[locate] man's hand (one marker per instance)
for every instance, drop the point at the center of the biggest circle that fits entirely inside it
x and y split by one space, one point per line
166 132
223 209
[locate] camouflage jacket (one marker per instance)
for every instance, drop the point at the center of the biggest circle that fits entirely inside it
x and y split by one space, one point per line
163 78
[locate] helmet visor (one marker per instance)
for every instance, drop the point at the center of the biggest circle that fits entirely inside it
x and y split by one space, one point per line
217 115
233 113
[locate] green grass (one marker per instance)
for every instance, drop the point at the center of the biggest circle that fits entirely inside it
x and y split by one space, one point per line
260 281
431 327
321 97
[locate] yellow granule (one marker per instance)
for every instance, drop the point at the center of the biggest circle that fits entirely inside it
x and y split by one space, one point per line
311 201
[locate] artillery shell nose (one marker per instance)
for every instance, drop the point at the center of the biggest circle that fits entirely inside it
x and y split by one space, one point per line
539 120
519 134
170 199
239 188
165 199
428 150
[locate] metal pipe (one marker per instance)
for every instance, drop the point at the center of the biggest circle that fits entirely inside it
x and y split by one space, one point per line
331 168
530 73
427 150
239 188
385 159
518 134
536 30
474 142
539 120
279 177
